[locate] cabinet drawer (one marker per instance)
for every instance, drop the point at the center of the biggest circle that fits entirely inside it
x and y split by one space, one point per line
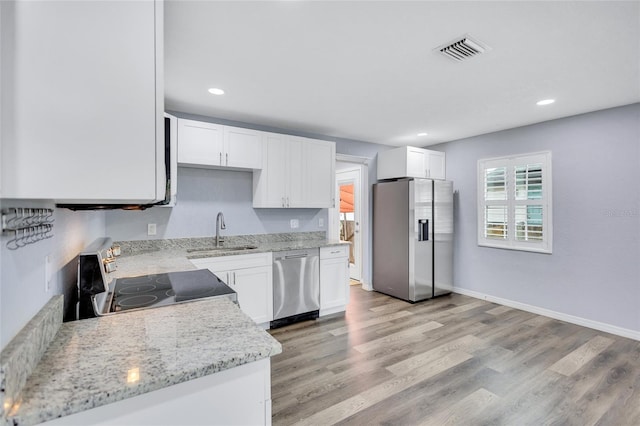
242 261
334 252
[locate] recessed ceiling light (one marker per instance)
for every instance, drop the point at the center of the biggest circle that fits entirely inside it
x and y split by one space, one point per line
216 91
545 102
422 134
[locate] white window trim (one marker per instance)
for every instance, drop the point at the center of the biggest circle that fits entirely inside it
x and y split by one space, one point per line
546 245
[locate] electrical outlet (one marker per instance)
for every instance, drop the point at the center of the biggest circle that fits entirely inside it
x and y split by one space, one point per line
151 229
294 223
321 222
48 273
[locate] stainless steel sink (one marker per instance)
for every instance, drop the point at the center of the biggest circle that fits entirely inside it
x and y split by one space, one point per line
223 248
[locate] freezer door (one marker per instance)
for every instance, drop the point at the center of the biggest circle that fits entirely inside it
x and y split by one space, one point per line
443 237
421 240
391 238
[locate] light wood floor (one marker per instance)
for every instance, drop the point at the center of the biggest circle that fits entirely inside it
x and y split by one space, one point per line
451 360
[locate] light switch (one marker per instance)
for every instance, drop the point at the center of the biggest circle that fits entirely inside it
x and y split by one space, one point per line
294 223
151 229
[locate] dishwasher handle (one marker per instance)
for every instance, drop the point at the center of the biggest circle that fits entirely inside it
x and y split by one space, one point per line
296 256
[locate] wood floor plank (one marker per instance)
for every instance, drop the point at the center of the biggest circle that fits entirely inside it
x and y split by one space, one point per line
466 343
374 321
572 362
465 411
499 310
401 337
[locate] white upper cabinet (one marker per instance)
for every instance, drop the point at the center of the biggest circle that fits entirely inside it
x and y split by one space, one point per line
297 173
82 101
321 170
199 143
409 161
202 144
243 148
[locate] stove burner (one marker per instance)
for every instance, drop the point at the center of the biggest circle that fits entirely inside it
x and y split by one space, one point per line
134 289
170 293
141 300
136 280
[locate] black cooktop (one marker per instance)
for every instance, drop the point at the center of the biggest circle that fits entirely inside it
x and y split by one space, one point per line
165 289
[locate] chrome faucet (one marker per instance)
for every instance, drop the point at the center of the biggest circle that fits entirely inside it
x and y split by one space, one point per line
219 225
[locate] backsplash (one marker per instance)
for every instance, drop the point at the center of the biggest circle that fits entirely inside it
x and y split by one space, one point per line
202 193
143 246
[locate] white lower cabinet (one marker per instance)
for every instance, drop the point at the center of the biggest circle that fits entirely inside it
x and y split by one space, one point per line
238 396
334 279
250 275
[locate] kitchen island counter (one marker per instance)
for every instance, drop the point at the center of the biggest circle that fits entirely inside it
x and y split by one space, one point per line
94 362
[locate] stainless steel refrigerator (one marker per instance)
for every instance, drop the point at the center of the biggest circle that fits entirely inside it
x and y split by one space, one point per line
413 238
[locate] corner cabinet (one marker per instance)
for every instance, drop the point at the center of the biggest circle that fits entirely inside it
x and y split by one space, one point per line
251 276
296 173
202 144
82 113
334 279
409 161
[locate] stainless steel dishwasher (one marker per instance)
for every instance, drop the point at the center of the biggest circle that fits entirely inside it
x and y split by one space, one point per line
296 286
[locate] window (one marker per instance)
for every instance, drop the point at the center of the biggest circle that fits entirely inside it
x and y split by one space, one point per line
514 202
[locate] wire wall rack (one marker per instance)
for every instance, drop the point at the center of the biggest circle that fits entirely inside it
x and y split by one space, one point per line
26 225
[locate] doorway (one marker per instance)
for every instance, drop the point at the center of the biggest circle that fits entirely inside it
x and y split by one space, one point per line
350 217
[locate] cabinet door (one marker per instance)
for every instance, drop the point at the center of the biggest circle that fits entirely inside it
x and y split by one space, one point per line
243 148
334 285
255 292
417 162
297 173
200 143
82 101
437 165
269 186
320 174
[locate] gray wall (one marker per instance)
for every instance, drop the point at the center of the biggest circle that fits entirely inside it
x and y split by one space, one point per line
22 272
594 271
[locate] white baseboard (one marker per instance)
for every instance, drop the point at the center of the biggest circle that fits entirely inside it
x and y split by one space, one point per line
619 331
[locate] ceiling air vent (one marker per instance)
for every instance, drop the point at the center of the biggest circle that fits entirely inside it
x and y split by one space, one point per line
463 48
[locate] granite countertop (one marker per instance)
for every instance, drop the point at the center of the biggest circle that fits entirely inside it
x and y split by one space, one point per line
158 256
97 361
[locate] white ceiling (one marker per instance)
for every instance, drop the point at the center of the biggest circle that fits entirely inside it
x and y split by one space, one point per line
366 70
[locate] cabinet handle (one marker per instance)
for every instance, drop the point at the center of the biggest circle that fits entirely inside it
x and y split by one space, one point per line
288 205
234 278
221 158
227 159
283 202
